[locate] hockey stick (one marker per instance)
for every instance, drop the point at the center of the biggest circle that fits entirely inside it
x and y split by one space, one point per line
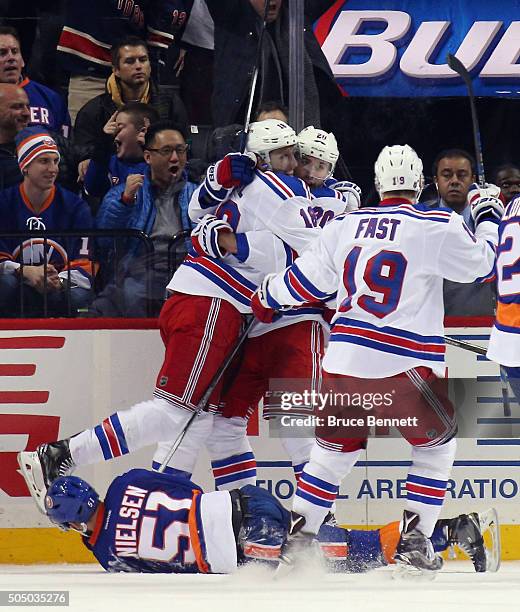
473 348
256 70
455 64
202 403
482 351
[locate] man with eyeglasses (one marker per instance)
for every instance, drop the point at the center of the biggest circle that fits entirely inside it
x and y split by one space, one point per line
156 203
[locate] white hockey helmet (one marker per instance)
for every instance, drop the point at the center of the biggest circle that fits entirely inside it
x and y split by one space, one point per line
268 135
320 144
398 168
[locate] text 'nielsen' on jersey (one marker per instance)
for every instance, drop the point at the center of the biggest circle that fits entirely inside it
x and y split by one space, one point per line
388 265
153 522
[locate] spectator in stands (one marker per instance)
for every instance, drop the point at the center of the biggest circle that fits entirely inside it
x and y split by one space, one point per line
507 177
91 29
47 107
14 116
272 110
62 286
194 65
125 130
157 204
454 171
130 81
237 29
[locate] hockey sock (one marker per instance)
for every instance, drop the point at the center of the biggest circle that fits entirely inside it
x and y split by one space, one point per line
185 457
232 458
298 451
427 481
319 484
128 430
351 550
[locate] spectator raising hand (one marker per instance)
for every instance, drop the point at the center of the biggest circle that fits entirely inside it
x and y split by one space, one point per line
134 182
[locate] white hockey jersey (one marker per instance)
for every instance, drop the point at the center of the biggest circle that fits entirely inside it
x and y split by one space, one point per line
387 265
274 219
504 345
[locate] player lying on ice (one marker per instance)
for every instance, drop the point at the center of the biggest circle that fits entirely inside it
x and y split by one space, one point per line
151 522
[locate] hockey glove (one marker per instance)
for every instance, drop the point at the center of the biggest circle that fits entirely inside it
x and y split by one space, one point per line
260 304
487 191
350 191
487 209
204 238
235 170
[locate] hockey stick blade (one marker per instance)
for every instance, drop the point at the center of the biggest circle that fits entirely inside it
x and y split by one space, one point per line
455 64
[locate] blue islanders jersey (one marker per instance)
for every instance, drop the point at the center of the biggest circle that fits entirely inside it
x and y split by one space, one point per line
504 344
153 522
63 210
98 181
47 107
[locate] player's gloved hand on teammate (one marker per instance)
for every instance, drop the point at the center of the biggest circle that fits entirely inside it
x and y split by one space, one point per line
486 191
235 170
351 191
260 304
204 236
487 209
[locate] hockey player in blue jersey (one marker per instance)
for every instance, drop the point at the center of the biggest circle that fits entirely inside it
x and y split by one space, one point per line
159 523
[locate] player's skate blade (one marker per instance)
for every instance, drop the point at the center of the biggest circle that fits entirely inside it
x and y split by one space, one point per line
490 529
41 468
415 557
31 469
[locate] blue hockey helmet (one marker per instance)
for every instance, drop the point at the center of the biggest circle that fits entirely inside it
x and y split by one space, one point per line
70 500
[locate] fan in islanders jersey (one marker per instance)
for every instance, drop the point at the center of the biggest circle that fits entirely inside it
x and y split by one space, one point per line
150 522
387 265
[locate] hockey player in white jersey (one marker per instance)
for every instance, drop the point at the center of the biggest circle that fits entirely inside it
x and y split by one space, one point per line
387 265
317 154
504 344
293 348
199 325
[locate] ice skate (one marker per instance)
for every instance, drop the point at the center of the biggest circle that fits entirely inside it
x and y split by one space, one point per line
415 555
41 467
467 531
300 548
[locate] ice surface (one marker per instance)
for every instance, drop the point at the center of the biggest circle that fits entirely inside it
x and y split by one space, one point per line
457 587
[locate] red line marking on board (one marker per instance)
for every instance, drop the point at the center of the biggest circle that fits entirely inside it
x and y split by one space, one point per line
32 342
24 397
17 369
94 323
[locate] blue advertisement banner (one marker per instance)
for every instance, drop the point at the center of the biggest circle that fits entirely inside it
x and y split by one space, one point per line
398 48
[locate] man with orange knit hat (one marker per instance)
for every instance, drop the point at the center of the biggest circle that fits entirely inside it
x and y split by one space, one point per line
52 268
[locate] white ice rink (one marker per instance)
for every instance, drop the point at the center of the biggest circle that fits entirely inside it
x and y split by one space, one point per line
457 587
